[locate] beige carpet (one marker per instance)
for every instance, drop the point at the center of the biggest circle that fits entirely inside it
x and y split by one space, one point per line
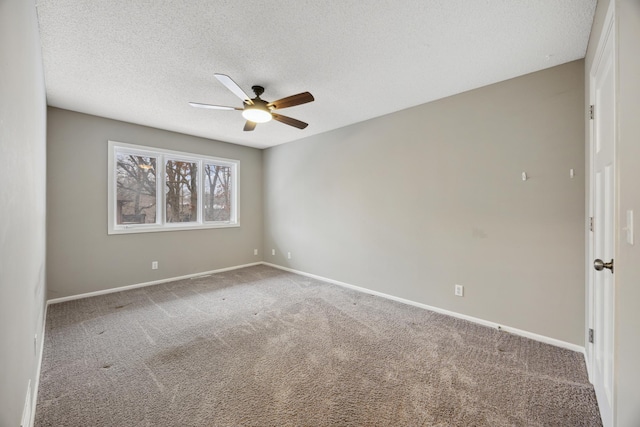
262 347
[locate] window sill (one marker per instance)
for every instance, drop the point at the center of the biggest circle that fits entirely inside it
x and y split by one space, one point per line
158 229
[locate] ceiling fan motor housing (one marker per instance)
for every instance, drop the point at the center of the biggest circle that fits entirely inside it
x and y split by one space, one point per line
258 90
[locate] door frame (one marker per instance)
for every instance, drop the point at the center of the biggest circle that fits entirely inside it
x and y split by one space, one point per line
608 31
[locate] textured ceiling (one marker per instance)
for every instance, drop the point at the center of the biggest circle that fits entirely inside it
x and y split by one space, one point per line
143 61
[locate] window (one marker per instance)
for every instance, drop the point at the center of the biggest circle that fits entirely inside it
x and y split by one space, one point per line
181 191
136 189
217 192
153 189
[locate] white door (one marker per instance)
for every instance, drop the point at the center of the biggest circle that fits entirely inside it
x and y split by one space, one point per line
603 205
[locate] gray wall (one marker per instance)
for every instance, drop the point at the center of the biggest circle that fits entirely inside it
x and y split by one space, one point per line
627 324
22 204
412 203
627 261
83 258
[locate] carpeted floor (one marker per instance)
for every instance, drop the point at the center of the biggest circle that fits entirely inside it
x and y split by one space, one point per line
263 347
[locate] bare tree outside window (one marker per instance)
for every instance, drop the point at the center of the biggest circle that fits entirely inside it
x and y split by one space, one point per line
154 189
181 191
136 189
217 193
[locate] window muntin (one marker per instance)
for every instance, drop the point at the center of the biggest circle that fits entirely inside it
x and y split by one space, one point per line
154 189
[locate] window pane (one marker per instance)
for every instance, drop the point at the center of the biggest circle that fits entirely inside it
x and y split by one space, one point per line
136 189
217 193
181 191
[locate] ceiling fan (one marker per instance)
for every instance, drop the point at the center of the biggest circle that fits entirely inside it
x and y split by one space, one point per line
257 110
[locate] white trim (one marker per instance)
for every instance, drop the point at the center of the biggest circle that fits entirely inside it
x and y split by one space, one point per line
145 284
162 156
515 331
607 35
142 228
607 31
36 382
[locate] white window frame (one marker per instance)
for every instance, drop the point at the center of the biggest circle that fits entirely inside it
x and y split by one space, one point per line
162 155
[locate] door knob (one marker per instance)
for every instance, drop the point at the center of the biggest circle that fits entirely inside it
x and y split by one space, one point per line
599 265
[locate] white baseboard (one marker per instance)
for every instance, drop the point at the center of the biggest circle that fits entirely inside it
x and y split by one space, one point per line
36 382
142 285
587 363
515 331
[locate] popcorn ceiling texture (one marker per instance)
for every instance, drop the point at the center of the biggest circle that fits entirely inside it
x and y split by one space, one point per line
143 61
263 347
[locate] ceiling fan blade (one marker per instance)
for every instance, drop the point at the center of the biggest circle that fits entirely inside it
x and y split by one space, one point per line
249 126
289 121
233 87
213 107
292 101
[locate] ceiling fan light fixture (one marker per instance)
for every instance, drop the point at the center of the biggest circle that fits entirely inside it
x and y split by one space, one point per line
257 114
257 110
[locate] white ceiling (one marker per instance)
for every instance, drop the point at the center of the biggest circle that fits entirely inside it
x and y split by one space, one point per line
142 61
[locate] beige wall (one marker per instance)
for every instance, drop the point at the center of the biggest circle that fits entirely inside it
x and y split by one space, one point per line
412 203
83 258
22 204
627 257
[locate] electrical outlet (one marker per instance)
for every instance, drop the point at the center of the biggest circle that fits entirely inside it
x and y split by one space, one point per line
288 255
255 252
459 291
154 265
273 251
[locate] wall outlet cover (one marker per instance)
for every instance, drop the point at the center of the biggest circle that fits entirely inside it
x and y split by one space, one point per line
459 290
